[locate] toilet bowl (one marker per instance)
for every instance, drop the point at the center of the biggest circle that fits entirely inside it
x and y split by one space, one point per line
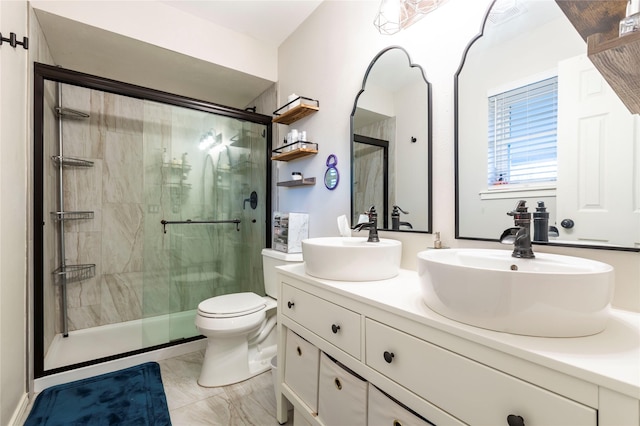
240 328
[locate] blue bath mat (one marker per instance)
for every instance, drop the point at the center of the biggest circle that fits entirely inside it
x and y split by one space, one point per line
133 396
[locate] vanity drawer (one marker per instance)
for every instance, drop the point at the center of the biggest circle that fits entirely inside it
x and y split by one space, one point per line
470 391
333 323
302 363
342 396
383 411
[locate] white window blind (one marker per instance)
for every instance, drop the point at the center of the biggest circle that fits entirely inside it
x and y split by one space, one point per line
523 125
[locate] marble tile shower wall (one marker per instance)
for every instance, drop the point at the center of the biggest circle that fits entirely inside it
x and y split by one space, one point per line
140 271
113 190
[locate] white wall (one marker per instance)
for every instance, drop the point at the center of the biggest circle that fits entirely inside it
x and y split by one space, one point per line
161 25
13 208
326 59
411 166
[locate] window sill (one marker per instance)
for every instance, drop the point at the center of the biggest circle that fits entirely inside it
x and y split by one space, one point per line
518 192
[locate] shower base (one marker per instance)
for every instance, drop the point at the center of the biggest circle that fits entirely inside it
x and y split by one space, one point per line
107 340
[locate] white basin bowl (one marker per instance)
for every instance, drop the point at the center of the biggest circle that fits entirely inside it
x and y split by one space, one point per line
549 296
351 258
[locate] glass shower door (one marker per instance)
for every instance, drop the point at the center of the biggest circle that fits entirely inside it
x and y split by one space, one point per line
143 208
206 220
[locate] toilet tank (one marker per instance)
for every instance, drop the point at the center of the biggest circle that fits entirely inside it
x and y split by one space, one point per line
270 259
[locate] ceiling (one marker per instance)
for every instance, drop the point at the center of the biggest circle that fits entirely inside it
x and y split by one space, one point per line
91 50
268 20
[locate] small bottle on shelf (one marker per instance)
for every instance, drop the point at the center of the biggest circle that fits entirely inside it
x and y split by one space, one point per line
631 23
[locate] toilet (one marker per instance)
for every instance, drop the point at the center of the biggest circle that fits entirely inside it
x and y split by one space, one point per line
240 328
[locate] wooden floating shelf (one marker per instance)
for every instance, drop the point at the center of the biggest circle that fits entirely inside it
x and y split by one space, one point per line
295 114
294 183
617 60
304 107
295 154
591 17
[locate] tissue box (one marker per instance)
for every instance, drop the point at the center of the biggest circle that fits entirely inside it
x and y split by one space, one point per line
289 229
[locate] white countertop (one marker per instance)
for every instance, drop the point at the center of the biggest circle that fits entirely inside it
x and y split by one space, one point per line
610 359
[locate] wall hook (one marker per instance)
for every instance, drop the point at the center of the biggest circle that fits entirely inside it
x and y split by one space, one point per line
13 41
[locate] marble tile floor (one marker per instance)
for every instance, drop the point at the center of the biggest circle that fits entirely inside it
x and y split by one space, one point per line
248 403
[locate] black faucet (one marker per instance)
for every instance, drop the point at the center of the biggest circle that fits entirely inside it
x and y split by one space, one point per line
372 225
395 219
520 235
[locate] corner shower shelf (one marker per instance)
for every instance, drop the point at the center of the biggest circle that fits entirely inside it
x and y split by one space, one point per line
305 107
74 273
295 150
179 167
71 161
295 183
178 185
69 215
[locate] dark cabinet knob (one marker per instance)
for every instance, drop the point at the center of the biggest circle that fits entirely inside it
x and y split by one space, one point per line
388 356
567 223
513 420
335 328
290 304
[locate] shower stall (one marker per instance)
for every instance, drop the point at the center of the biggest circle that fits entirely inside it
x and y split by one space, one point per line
145 204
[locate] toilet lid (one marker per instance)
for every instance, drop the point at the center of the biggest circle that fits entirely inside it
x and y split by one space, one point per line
232 305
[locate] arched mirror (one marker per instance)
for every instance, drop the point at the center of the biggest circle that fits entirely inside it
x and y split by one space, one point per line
391 144
535 121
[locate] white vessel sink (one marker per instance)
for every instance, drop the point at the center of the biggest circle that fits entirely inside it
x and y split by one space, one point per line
351 258
549 296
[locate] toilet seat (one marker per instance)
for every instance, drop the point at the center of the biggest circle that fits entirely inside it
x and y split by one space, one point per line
231 305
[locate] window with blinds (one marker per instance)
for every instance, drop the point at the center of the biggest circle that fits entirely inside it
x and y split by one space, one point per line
523 125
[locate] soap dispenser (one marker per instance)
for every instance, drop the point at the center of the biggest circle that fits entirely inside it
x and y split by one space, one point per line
541 223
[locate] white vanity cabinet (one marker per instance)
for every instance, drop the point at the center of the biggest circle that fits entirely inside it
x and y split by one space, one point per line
301 372
477 394
429 368
335 324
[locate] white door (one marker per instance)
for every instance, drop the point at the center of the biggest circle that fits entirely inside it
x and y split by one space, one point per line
598 158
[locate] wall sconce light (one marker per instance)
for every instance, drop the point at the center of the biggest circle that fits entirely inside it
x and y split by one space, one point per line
395 15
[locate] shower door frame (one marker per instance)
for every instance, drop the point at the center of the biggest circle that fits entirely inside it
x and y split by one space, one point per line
44 72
